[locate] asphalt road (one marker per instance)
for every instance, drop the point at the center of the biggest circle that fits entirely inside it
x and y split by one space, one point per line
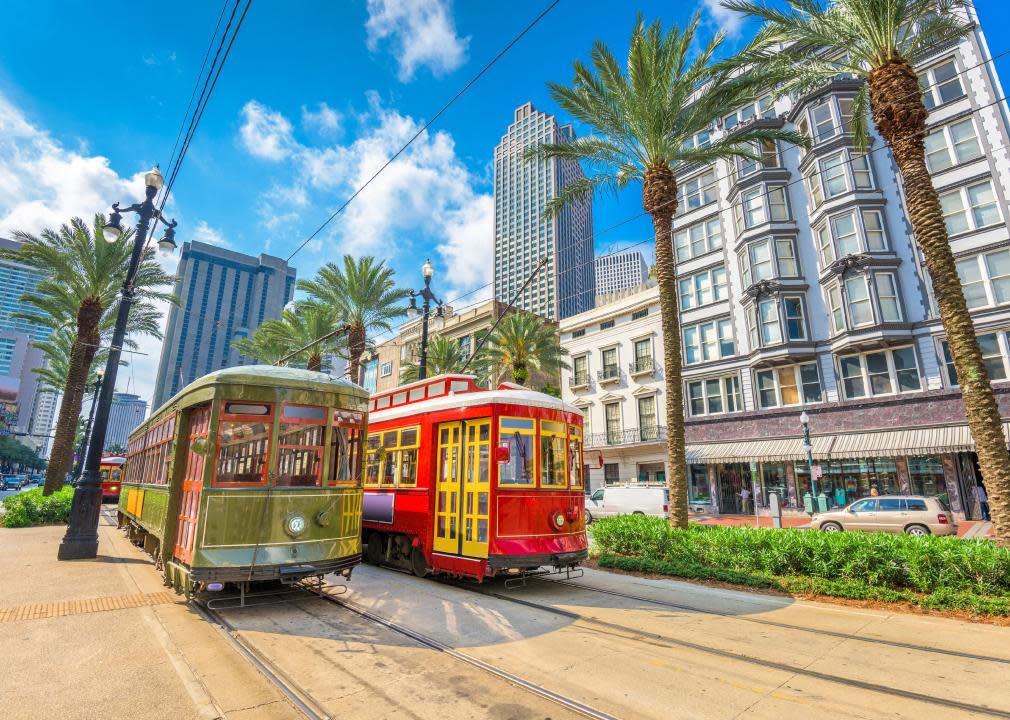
624 647
8 493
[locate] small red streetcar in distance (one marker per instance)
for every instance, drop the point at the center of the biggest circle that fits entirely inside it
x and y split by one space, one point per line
111 470
474 483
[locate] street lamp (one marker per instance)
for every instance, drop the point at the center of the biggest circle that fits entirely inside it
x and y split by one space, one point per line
808 446
427 271
81 538
100 372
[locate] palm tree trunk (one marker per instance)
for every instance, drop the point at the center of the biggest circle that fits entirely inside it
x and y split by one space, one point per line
898 111
81 355
355 349
659 198
315 362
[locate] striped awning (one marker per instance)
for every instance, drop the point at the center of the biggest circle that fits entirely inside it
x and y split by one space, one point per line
877 443
773 449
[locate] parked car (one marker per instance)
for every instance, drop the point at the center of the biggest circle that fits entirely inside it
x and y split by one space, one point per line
910 514
628 500
11 482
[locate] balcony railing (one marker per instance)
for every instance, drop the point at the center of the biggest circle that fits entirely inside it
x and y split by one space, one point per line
610 373
579 380
627 436
641 366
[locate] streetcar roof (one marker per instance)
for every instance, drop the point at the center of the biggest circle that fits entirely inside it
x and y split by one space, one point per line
273 375
508 394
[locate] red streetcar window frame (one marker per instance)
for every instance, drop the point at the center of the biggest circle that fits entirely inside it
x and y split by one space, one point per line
267 418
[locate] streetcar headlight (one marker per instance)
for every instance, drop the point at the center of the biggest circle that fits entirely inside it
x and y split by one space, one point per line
323 518
294 525
558 518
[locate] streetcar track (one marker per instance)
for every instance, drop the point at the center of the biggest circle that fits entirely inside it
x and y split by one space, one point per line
666 641
787 626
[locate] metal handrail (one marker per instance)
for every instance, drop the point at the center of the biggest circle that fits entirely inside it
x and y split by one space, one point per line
627 436
642 365
609 372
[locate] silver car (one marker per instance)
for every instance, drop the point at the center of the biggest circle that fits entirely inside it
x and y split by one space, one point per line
910 514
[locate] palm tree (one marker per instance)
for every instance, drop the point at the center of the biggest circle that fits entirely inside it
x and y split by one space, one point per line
361 294
524 342
56 353
881 41
644 120
445 355
300 326
84 274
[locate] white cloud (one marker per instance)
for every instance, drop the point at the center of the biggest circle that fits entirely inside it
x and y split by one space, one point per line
421 32
324 119
426 196
204 233
265 133
725 19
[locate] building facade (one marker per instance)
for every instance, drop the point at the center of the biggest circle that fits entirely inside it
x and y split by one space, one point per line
28 408
801 288
125 414
620 271
224 295
522 237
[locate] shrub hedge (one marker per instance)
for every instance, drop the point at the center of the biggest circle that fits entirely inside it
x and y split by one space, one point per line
929 571
29 508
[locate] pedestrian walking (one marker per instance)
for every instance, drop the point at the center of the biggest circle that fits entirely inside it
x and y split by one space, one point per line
983 501
874 492
745 501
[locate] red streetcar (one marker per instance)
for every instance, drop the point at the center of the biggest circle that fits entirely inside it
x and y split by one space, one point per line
110 468
471 482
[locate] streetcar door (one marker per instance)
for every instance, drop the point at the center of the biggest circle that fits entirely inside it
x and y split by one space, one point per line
476 487
192 483
447 488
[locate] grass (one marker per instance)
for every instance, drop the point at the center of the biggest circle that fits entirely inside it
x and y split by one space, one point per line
29 508
934 573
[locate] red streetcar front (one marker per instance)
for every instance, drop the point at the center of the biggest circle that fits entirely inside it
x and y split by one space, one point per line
472 482
111 469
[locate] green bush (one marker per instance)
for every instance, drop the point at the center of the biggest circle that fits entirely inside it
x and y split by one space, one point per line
30 508
922 565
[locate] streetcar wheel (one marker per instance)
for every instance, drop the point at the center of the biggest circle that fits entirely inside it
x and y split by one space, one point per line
418 566
373 552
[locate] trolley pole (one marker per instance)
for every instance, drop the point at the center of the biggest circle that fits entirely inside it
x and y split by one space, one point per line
81 538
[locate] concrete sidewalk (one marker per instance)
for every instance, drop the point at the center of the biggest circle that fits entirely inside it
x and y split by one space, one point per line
104 639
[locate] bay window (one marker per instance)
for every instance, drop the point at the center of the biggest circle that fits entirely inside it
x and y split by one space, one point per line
868 299
758 262
708 341
714 396
698 239
848 233
766 154
952 145
791 385
994 357
838 174
883 372
703 288
941 84
857 295
887 297
759 205
762 108
696 192
969 208
765 321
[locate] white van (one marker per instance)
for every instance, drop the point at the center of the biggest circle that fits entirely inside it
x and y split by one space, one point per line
628 500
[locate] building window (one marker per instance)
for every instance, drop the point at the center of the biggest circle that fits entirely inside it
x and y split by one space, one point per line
758 262
697 192
708 341
887 297
822 122
993 357
606 324
969 208
643 355
762 108
884 372
838 174
648 425
578 333
611 473
612 413
580 370
608 359
697 481
857 295
698 239
790 385
941 84
714 396
386 369
639 314
952 145
759 205
765 321
703 288
766 156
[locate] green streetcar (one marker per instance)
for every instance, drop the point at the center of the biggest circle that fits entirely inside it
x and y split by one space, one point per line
249 474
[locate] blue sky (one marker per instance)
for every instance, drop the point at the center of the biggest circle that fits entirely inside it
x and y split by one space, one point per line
315 96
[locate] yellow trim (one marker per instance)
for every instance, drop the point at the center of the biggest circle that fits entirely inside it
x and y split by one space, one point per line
532 432
473 488
448 541
550 429
391 453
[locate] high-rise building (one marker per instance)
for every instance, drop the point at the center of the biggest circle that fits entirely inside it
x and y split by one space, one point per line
125 414
802 289
522 236
620 271
224 295
27 408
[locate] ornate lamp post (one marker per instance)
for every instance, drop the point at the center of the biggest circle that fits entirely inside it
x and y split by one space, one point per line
425 294
81 538
100 372
808 446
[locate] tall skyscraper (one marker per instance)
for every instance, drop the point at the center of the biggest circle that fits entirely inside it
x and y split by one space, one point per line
27 409
125 414
619 271
224 295
566 285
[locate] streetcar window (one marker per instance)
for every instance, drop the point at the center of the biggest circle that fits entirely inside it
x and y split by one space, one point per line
552 454
345 448
416 394
300 445
436 389
459 385
372 460
400 398
574 456
519 470
243 445
387 477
